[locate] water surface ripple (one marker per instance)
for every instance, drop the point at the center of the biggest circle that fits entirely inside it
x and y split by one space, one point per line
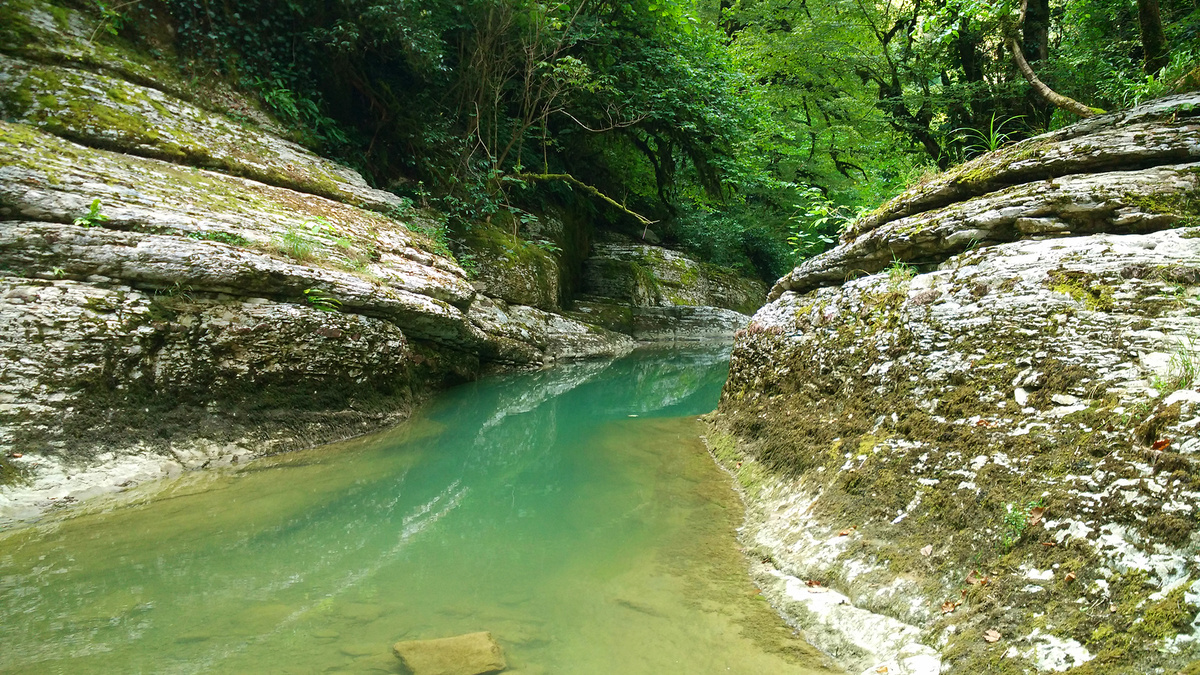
573 512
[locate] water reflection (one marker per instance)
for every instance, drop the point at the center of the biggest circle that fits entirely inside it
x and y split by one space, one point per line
531 505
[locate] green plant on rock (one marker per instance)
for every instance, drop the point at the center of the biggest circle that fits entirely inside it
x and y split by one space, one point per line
900 273
547 246
230 238
981 141
93 218
296 244
469 262
438 234
1181 369
111 19
1017 520
175 290
319 300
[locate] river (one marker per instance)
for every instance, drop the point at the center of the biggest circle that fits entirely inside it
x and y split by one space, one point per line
572 512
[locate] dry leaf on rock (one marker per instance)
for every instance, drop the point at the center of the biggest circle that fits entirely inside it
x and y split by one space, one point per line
976 578
881 669
1161 444
927 551
949 606
992 635
1069 577
1035 515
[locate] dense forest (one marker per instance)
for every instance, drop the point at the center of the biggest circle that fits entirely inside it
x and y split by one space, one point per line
746 132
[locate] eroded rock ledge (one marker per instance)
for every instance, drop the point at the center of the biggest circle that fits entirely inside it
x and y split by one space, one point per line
182 285
1002 438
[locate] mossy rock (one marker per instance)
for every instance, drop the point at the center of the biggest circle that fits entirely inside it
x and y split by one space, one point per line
512 269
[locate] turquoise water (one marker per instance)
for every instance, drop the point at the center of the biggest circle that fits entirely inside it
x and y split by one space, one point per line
572 512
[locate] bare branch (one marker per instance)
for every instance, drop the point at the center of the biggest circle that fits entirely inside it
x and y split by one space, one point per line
1058 100
568 178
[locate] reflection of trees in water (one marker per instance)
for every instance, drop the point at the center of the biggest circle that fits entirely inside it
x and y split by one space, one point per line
502 442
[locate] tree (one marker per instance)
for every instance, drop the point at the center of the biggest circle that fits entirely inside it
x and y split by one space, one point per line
1154 41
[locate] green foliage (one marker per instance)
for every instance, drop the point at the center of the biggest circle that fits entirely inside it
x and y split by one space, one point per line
230 238
112 21
438 233
547 246
817 224
297 244
1015 524
469 262
994 137
93 218
1181 369
712 121
321 301
900 273
748 239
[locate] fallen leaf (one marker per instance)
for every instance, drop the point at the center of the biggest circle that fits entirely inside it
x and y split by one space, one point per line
845 532
992 635
1069 577
949 606
927 551
975 578
16 455
812 583
1049 543
1035 515
881 669
1160 444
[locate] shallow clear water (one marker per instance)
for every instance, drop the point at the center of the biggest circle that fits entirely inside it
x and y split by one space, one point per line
536 506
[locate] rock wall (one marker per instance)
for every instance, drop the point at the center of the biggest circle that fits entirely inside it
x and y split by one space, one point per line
968 433
182 285
655 293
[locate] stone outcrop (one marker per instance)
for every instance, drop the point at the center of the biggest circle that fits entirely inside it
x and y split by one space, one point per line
514 270
967 433
471 654
182 285
655 293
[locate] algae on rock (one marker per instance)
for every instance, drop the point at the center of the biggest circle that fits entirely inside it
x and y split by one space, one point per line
999 441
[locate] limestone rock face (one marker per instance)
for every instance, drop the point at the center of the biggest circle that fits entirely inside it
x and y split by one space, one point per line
642 275
514 270
520 334
655 293
1003 432
471 654
109 112
182 285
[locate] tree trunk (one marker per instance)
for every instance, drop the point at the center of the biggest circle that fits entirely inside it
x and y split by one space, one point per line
1154 42
1035 38
1064 102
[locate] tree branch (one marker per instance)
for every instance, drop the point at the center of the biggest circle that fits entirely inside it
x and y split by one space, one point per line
568 178
1062 102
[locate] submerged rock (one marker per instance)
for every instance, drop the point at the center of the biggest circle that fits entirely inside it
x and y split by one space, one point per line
470 654
991 450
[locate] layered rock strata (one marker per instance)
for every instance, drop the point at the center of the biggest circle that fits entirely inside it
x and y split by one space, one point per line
655 293
180 285
968 433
